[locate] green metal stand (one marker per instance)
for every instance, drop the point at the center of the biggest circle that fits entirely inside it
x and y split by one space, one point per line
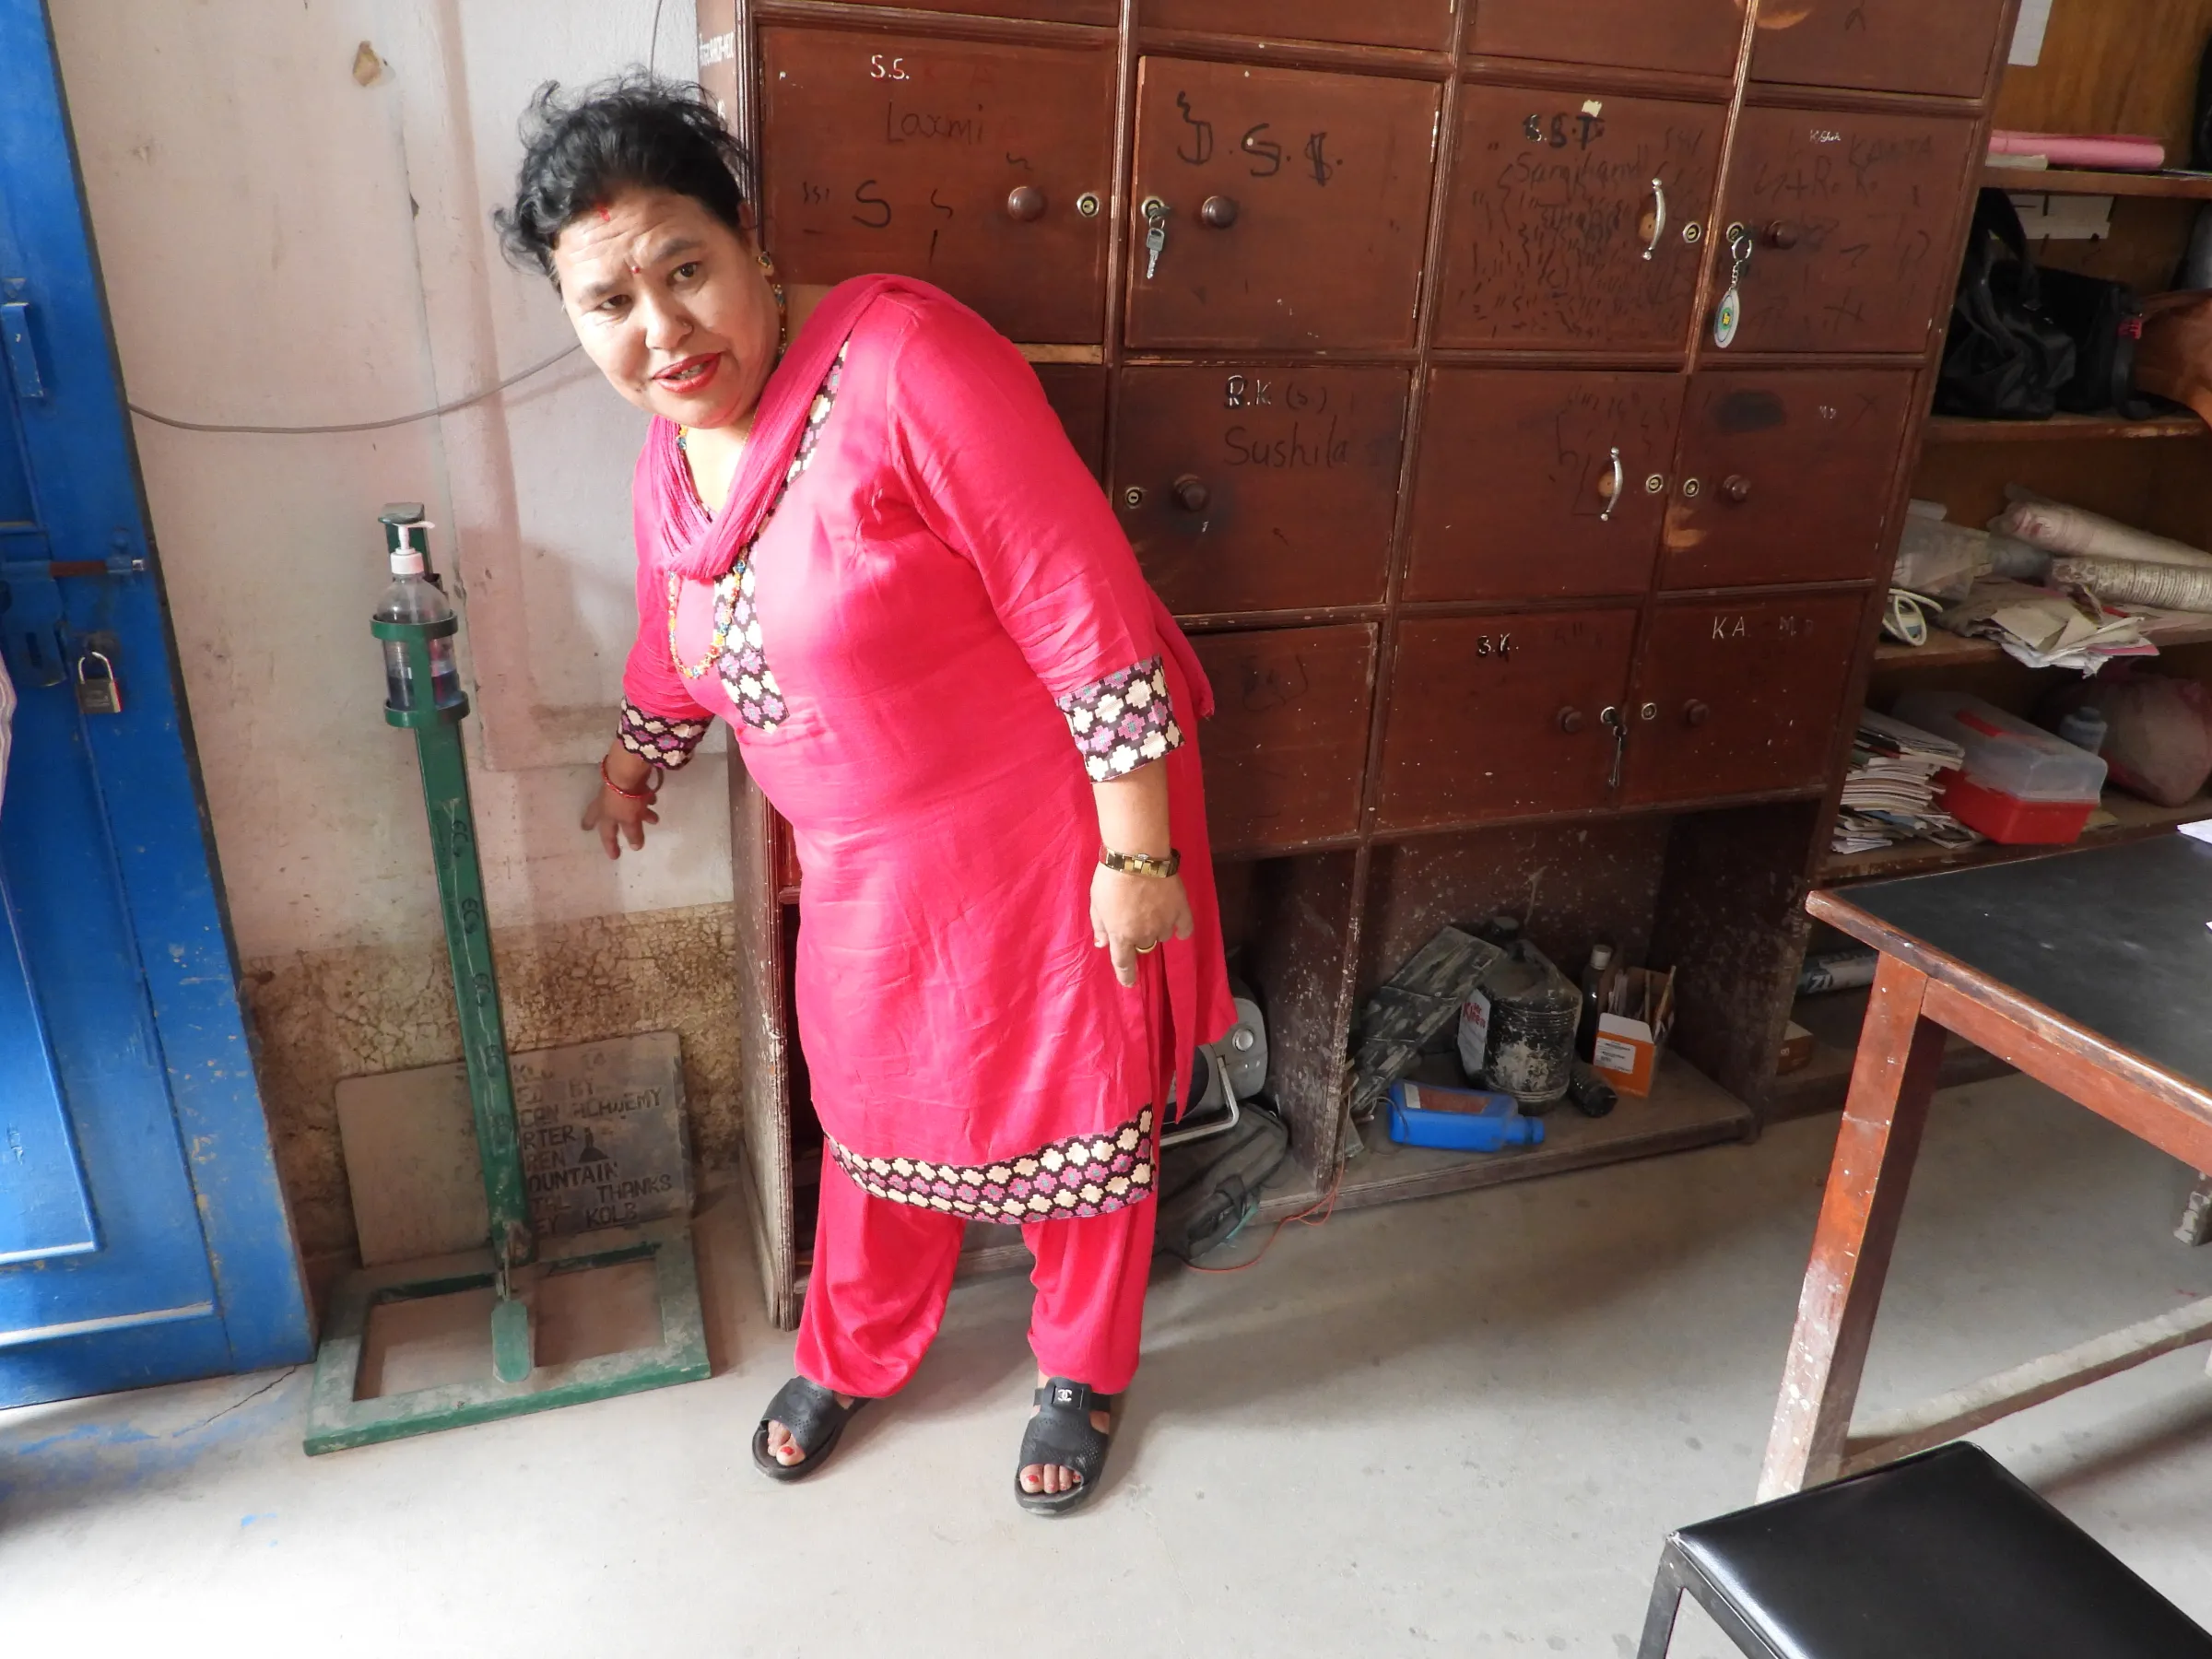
336 1419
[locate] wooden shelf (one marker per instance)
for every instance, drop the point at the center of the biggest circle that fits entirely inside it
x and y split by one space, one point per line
2133 820
1685 1108
2059 428
2073 180
1955 651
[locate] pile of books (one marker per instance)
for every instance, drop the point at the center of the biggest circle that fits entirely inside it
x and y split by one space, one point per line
1890 793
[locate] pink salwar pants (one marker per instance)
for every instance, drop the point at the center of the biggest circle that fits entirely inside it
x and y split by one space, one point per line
882 1271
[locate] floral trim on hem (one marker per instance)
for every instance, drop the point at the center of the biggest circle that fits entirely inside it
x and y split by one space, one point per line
1085 1175
1124 721
735 645
668 743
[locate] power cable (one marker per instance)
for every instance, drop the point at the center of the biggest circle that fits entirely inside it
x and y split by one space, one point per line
358 426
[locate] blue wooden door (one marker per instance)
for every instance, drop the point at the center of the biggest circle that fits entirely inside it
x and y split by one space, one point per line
143 1238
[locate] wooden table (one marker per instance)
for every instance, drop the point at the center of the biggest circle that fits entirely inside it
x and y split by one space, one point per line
2091 971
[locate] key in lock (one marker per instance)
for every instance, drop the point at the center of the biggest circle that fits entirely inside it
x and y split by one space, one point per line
98 690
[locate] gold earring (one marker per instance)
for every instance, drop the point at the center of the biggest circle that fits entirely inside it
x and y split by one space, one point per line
766 263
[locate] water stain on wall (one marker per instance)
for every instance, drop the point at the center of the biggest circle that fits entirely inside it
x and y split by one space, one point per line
320 1015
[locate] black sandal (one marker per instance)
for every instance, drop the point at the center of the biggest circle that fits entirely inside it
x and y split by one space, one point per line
1062 1433
815 1421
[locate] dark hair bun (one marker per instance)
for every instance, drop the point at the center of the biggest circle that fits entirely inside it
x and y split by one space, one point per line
635 132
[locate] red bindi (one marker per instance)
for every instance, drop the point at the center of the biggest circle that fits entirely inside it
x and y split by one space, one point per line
605 217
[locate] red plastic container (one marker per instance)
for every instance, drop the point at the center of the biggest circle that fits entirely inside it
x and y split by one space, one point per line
2008 818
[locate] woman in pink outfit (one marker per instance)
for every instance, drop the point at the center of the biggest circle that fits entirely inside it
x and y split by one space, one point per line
865 542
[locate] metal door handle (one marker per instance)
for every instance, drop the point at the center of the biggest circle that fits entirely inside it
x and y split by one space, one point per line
1025 203
1570 721
1190 493
1609 716
1658 217
1620 479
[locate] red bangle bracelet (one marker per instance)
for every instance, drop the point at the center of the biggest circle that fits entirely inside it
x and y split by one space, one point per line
652 783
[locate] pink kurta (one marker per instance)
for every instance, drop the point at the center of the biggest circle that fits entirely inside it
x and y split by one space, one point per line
939 639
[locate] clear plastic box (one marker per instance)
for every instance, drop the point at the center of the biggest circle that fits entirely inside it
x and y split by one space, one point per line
2004 752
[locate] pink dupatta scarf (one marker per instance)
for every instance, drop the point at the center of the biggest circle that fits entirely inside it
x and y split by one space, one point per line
705 551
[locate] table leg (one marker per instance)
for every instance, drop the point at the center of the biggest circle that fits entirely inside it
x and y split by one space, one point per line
1891 1081
2196 1216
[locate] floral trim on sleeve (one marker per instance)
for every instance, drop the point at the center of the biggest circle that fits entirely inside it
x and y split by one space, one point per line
668 743
1122 721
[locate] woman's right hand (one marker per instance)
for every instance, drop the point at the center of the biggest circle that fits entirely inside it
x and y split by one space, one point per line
620 816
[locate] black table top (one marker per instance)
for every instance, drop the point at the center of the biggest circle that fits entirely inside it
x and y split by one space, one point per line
2113 939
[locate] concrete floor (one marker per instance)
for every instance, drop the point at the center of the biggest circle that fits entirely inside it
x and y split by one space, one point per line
1460 1426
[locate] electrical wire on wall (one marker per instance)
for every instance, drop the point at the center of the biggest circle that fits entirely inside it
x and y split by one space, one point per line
653 51
359 426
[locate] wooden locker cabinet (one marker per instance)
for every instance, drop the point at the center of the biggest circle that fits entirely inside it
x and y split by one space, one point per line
1740 696
1294 202
1517 591
1284 750
1853 221
1881 45
1691 37
1541 483
1785 477
1577 221
1244 487
984 166
1516 714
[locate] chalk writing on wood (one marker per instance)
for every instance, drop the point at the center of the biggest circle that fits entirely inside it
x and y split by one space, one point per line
900 154
1556 209
1848 213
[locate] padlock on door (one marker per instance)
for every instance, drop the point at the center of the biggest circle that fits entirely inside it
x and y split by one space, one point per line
98 690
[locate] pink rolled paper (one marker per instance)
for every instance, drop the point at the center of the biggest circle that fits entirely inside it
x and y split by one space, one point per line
2117 152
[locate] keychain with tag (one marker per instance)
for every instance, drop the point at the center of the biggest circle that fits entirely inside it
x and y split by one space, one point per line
1731 312
98 692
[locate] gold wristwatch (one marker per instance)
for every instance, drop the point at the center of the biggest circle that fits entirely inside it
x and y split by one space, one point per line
1139 864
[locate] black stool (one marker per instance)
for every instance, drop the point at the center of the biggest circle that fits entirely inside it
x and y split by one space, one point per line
1944 1556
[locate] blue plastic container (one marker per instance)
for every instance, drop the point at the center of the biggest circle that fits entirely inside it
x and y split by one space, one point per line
1482 1121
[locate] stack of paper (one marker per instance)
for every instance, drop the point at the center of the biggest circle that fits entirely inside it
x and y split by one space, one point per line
1890 793
2046 630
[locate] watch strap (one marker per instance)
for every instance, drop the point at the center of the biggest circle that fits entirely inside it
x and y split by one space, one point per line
1141 863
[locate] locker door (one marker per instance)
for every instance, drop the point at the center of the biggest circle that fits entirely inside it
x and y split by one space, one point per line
1541 483
985 168
1850 217
1576 222
1785 477
1501 716
1882 45
1286 746
1695 36
1291 206
1259 487
1738 696
1424 24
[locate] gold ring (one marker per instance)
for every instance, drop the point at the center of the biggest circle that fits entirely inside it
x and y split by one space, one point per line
1142 949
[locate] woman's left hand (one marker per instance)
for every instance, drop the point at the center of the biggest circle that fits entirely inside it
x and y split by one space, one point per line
1130 914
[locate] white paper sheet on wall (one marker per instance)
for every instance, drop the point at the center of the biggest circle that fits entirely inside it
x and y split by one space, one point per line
2028 33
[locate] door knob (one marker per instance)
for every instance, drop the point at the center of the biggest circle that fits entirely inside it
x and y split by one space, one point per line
1736 488
1190 494
1219 211
1781 234
1024 202
1570 721
1694 714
